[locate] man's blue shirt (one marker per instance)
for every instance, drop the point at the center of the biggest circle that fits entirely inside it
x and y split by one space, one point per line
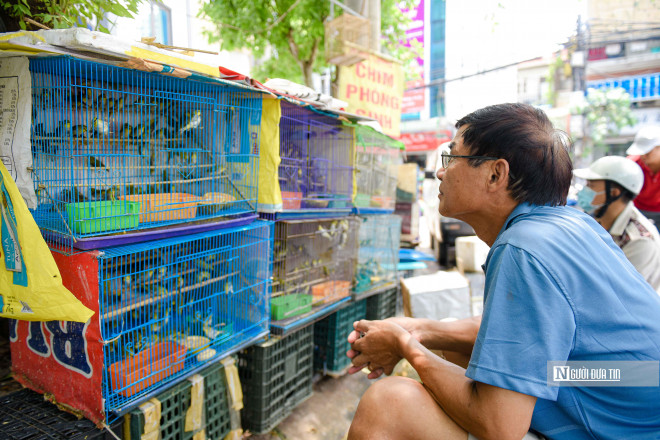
557 289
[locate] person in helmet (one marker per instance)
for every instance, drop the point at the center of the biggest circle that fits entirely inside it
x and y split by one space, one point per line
645 151
612 184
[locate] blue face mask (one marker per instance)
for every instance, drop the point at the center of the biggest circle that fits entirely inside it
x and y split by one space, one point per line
584 198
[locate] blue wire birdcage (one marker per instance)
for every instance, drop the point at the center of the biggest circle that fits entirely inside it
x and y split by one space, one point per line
171 306
316 168
377 158
378 251
117 150
313 264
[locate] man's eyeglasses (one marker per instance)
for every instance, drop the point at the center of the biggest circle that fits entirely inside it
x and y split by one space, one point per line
448 158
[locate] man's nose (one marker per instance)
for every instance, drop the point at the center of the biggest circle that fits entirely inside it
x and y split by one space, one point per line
440 173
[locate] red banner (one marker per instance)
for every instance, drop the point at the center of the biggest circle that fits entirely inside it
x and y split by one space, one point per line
425 140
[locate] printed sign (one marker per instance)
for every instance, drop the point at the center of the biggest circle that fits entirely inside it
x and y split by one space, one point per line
374 88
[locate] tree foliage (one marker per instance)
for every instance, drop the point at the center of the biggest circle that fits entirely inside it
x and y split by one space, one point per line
606 112
290 34
57 14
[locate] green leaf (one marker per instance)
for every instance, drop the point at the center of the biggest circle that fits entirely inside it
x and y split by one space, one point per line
103 29
24 9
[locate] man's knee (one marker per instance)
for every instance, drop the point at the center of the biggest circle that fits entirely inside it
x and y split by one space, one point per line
393 393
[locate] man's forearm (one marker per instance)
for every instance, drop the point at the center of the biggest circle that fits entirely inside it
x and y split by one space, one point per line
458 336
486 411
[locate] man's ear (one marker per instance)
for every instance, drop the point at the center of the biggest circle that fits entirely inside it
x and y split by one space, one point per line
499 174
614 191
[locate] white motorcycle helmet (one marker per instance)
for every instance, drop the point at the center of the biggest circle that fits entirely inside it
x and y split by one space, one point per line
618 169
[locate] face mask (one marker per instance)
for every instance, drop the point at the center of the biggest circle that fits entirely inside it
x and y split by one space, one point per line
585 197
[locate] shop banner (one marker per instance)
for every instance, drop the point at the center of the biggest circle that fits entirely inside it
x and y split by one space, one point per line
374 88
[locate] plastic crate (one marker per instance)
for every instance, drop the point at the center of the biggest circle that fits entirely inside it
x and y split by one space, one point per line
312 257
276 376
382 305
330 338
175 403
103 133
25 415
162 309
378 252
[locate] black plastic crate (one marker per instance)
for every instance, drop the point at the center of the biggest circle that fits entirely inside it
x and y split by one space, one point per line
276 376
382 305
175 403
331 338
25 415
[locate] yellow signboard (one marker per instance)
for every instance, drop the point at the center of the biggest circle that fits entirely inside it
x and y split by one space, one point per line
374 88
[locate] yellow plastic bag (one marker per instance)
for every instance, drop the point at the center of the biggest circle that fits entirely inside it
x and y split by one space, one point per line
30 283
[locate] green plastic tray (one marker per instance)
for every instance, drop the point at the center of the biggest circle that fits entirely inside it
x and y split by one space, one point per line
286 306
103 216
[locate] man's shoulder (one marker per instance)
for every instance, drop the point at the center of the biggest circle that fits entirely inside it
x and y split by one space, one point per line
543 225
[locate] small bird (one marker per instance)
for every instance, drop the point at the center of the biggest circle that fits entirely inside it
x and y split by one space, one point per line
79 131
138 132
101 127
116 105
63 129
39 130
126 131
194 121
95 163
100 102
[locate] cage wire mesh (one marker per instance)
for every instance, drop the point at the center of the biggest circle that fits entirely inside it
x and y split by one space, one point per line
377 160
313 264
378 252
118 150
316 168
171 305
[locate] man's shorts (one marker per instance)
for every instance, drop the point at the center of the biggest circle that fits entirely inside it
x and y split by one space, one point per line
528 436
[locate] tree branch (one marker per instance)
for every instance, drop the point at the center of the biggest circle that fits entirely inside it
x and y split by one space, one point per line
292 45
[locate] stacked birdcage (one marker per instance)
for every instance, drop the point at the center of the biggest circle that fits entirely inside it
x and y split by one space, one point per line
313 264
146 189
117 150
378 252
315 172
377 160
163 310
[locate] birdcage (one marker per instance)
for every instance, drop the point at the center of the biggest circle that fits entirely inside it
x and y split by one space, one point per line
377 160
163 310
118 150
313 264
315 172
347 38
378 251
